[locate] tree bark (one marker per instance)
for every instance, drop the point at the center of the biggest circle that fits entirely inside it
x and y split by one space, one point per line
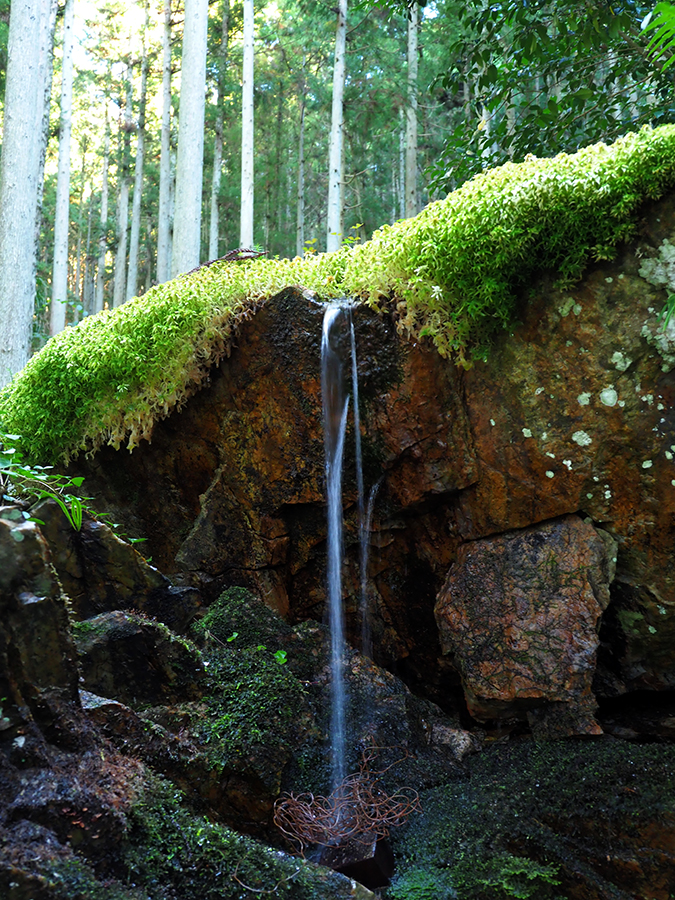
246 226
20 186
57 310
135 235
164 213
334 210
103 235
190 162
214 223
411 204
123 203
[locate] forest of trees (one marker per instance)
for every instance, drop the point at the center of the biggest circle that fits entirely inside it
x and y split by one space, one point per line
177 130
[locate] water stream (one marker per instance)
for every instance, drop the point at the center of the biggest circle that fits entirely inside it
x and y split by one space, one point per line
338 324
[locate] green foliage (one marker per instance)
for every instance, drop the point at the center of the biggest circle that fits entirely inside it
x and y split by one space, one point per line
455 271
662 42
541 77
21 480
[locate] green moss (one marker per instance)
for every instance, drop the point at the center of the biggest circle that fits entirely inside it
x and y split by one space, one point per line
238 611
174 854
455 272
530 817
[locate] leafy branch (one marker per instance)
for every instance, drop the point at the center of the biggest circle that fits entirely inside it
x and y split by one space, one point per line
21 481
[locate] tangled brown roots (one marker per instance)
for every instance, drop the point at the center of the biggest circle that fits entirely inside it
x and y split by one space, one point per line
358 808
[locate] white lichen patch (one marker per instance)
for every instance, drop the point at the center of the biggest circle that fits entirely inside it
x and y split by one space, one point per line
620 361
660 406
540 390
582 439
608 495
660 270
568 463
648 398
550 474
566 307
647 464
589 496
609 396
622 403
492 422
609 279
576 309
527 433
584 399
552 455
669 455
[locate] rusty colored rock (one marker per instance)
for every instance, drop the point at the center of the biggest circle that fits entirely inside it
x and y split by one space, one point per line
572 414
520 612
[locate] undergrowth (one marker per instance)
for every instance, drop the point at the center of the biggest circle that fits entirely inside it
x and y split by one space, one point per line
454 273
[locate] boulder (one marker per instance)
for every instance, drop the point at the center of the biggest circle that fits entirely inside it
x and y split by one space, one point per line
101 572
520 615
38 668
136 660
570 414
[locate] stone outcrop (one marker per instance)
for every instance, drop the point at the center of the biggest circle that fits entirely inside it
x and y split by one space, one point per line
520 615
101 572
572 414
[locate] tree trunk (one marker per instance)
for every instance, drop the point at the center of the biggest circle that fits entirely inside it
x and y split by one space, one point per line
334 210
214 223
164 214
103 239
80 219
135 236
401 164
19 179
57 311
190 162
300 219
246 228
123 203
411 116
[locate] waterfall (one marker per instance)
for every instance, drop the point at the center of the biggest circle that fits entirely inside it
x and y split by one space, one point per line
337 318
335 408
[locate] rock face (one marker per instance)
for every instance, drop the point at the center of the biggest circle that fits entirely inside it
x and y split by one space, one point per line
520 613
571 415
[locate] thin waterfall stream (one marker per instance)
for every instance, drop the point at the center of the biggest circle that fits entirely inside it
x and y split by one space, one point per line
337 323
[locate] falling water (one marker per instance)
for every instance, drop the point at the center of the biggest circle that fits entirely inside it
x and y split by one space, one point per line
366 635
335 408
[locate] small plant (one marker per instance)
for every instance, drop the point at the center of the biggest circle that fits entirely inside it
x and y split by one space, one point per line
19 480
667 312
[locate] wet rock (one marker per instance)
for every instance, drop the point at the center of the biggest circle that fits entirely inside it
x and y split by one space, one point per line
519 613
37 656
100 572
136 660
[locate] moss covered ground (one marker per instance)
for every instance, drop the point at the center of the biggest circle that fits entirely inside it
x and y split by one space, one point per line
545 821
454 273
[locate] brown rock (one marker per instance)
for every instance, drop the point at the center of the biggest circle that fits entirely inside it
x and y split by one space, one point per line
571 414
520 613
100 572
